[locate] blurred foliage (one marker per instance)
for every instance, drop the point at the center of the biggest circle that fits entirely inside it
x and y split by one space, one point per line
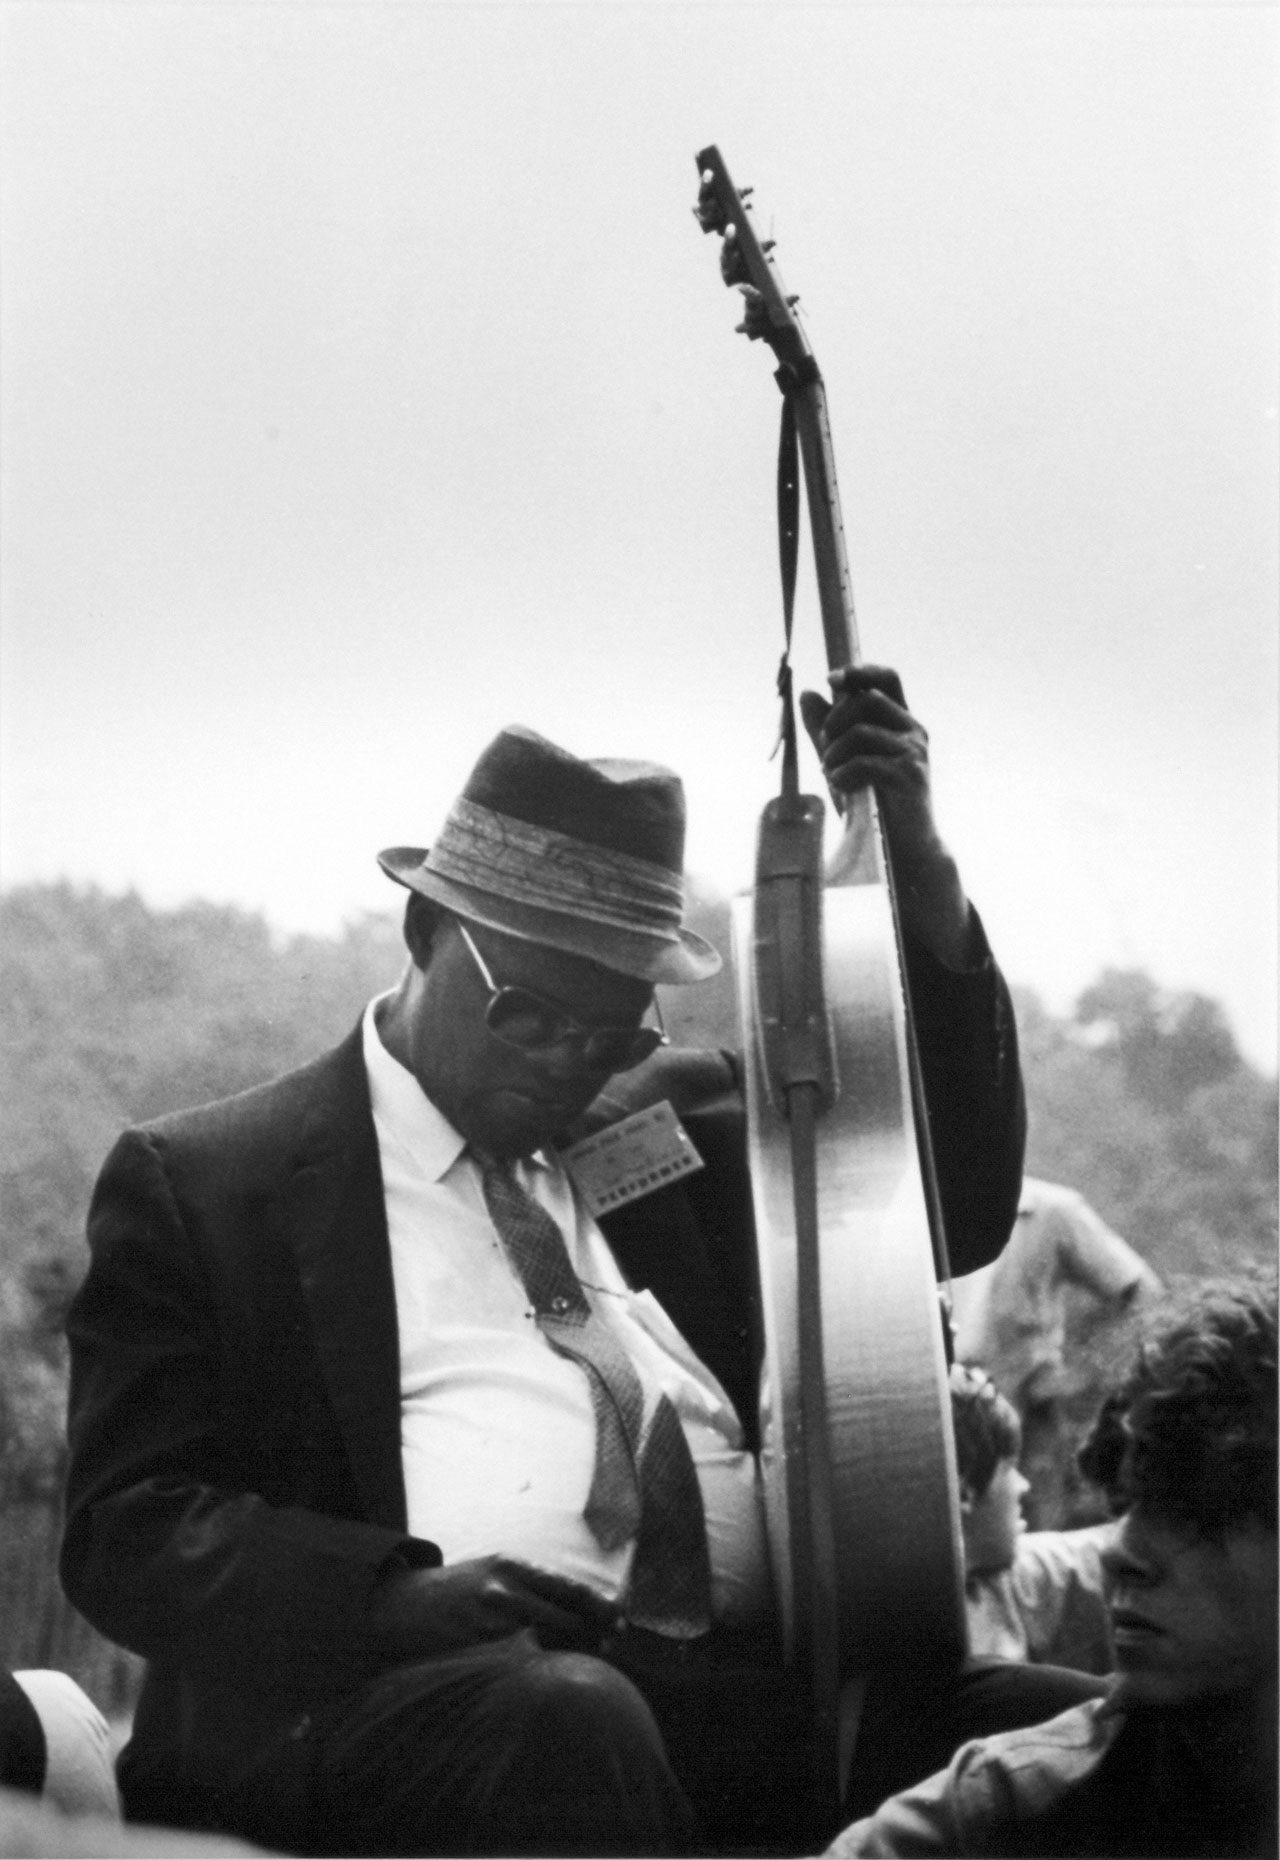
1143 1101
112 1012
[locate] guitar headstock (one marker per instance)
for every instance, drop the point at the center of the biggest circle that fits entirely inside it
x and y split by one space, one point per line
746 260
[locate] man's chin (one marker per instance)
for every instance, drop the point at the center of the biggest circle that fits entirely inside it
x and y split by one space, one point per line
513 1123
1150 1687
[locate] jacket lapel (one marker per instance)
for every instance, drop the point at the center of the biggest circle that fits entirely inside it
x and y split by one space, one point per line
335 1216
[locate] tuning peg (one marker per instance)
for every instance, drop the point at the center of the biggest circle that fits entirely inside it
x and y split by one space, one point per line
755 318
745 193
767 245
709 212
733 260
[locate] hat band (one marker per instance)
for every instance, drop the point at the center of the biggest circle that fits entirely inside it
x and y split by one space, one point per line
511 858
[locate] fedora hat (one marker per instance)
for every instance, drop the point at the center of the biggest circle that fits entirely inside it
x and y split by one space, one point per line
584 856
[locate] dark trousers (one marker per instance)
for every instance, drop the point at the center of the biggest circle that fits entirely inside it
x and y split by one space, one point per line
657 1748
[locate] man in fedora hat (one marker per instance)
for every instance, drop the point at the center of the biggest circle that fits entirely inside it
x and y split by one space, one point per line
430 1498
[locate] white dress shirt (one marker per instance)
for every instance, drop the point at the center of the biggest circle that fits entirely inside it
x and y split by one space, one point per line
497 1428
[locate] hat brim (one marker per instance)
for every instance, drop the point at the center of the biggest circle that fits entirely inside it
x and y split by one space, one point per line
687 957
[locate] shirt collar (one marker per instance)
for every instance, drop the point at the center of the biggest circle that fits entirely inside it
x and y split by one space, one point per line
403 1111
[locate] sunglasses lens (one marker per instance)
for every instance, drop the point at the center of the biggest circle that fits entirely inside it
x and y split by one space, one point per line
617 1049
523 1019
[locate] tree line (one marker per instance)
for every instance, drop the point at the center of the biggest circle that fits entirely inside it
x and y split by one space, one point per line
112 1011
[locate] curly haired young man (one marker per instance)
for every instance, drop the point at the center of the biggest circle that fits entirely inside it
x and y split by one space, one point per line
1180 1758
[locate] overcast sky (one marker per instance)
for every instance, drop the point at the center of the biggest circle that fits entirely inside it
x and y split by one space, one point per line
367 385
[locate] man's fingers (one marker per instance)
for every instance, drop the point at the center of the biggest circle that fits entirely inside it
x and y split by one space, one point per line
504 1604
814 711
868 744
847 680
560 1593
869 707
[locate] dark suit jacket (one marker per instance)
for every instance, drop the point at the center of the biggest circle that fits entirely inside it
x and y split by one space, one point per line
235 1482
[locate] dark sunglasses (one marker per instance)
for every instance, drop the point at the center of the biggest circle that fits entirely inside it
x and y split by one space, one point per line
519 1017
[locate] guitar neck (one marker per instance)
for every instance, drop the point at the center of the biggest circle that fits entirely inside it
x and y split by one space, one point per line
769 313
746 261
860 856
835 584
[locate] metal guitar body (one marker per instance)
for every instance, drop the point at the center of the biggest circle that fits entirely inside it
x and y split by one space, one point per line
883 1423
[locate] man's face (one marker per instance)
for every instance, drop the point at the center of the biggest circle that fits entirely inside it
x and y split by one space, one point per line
500 1097
993 1523
1191 1618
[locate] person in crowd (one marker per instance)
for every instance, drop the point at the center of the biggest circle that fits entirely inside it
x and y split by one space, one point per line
55 1744
431 1500
58 1795
33 1829
1180 1758
1064 1273
1029 1595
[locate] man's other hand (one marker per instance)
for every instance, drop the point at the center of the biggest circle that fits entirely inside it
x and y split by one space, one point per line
414 1613
866 736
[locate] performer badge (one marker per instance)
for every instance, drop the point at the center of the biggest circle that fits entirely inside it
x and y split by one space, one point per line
631 1158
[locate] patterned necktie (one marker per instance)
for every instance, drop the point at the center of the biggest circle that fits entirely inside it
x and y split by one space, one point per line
644 1484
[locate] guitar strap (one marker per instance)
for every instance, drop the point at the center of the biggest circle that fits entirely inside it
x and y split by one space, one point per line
788 552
